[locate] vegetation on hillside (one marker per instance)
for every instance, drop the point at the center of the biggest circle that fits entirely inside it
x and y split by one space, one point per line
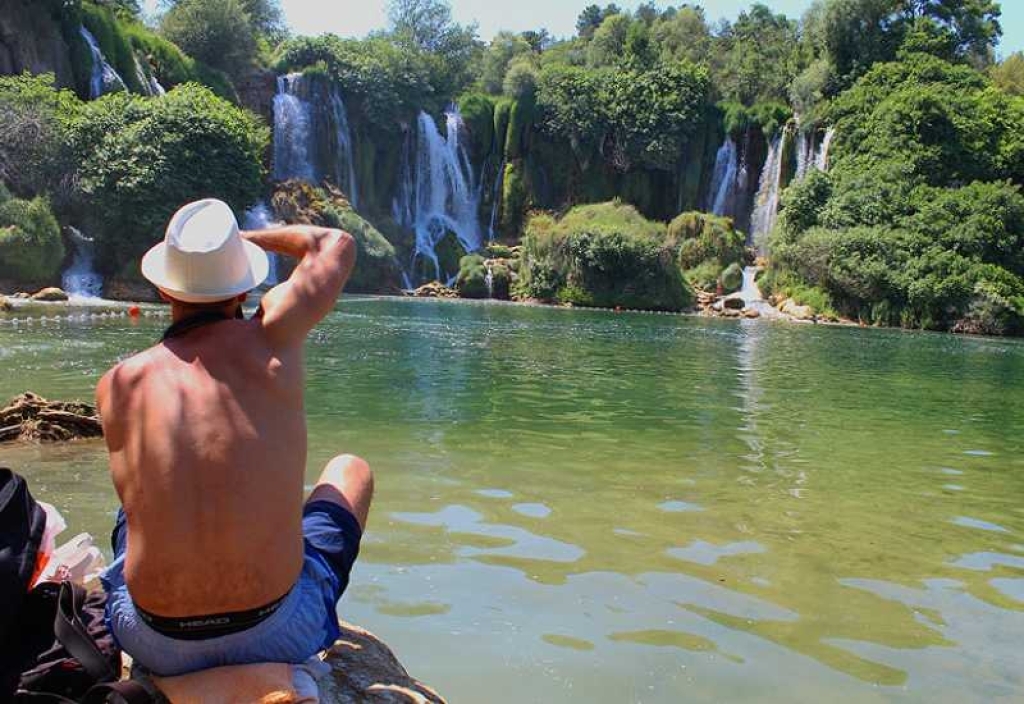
918 222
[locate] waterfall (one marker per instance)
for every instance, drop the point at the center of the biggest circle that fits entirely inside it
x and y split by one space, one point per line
499 182
104 78
489 279
805 155
821 160
312 137
344 177
293 133
438 192
259 217
81 280
769 191
720 199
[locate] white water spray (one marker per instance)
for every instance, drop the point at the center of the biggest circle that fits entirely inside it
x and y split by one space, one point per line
104 79
721 197
303 110
81 281
769 193
438 193
259 217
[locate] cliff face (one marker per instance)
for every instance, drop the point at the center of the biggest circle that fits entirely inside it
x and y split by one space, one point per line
31 40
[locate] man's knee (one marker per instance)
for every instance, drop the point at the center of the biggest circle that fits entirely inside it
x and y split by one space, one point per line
350 470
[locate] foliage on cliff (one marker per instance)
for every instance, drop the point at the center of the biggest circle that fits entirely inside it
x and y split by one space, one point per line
377 268
603 255
920 222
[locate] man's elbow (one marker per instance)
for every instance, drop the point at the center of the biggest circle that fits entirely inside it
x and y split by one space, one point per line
346 248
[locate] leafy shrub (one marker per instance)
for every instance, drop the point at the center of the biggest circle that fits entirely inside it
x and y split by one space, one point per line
603 255
34 154
731 278
141 159
702 237
705 275
31 249
472 279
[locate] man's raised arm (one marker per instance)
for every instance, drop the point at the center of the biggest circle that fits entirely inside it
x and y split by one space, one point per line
326 258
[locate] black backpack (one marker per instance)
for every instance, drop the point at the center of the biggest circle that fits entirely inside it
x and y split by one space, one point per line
56 642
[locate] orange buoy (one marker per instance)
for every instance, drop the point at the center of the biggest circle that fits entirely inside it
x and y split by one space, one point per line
134 312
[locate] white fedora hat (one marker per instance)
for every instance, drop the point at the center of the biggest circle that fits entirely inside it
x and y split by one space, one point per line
203 258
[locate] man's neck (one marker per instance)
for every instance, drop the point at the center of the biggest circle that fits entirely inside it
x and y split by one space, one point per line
180 312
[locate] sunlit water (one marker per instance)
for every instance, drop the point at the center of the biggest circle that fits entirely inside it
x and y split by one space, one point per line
590 507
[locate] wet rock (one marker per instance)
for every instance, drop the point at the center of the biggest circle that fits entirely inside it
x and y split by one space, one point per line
434 289
734 304
31 417
730 313
51 293
131 290
751 313
5 305
798 312
363 669
21 295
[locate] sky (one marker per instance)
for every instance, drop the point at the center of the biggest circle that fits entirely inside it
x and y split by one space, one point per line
358 17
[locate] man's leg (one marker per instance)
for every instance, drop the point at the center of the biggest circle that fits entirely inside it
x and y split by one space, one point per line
347 481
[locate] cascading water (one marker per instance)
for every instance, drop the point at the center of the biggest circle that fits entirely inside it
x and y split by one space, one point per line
81 281
259 217
805 155
312 138
344 165
499 182
438 193
720 200
293 132
769 191
104 79
821 160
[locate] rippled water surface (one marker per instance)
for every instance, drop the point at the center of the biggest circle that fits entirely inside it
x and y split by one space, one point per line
590 507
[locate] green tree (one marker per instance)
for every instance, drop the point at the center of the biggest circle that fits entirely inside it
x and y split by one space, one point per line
141 159
609 41
34 154
505 47
1009 74
757 57
684 34
218 33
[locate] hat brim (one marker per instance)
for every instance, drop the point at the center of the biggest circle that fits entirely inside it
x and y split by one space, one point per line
154 268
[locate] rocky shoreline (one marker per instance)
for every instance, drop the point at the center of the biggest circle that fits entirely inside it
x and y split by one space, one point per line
708 304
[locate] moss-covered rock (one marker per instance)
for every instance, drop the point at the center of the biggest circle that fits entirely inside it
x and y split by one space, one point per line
31 249
731 279
603 255
472 279
702 236
377 269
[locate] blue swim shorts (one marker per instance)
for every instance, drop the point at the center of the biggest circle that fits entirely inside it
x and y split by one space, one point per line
304 622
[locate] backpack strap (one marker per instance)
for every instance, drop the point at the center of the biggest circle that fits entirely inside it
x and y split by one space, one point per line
72 634
124 692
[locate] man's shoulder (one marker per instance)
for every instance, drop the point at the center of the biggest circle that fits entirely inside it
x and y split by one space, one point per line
128 372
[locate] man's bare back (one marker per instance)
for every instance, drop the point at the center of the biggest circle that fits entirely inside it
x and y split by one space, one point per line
207 441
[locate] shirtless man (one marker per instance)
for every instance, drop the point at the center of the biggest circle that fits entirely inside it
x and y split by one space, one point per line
218 561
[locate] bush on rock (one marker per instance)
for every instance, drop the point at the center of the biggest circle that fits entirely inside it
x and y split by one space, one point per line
602 255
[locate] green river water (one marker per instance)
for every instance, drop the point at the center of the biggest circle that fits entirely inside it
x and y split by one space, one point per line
595 507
